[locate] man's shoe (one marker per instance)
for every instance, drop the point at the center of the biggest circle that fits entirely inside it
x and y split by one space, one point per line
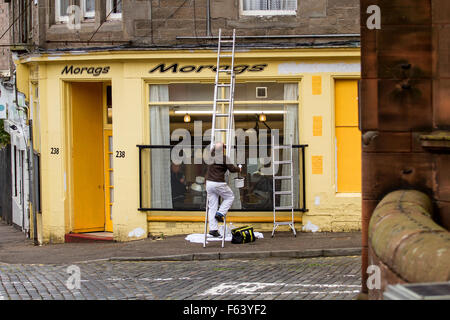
219 217
215 233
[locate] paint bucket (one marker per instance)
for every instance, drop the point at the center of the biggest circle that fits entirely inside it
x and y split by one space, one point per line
239 182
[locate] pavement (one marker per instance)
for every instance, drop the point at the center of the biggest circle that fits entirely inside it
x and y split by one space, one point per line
16 249
310 266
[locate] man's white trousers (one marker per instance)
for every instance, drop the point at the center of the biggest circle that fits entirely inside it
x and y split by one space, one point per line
216 190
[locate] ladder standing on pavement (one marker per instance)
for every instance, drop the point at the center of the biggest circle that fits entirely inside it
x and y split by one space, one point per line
225 78
290 193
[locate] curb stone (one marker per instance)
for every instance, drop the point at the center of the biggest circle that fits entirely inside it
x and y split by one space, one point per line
308 253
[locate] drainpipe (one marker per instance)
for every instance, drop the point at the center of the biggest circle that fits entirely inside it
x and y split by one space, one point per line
208 18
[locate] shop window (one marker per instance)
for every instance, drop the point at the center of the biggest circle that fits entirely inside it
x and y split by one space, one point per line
268 7
114 9
348 137
170 104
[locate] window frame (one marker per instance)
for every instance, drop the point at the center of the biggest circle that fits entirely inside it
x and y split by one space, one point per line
266 12
113 16
87 14
58 17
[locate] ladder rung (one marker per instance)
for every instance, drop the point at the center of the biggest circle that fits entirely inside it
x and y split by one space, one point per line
283 223
281 147
226 56
284 208
221 130
223 85
222 114
283 162
222 100
282 177
283 192
226 41
224 70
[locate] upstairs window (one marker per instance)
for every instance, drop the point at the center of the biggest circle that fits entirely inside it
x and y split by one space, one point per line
85 8
88 8
114 9
268 7
61 7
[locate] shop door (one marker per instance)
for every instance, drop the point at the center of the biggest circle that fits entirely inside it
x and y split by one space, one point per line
87 157
109 179
348 137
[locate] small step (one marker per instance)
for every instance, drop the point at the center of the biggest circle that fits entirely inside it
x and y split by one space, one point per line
284 223
283 162
283 192
88 237
284 208
282 177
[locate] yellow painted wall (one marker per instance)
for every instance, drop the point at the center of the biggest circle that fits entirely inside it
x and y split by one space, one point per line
314 70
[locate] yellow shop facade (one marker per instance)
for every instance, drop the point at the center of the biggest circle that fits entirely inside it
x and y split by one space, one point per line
105 123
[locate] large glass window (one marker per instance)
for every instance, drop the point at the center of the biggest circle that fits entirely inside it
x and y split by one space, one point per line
185 109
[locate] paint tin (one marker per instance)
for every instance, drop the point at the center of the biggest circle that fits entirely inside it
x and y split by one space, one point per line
239 182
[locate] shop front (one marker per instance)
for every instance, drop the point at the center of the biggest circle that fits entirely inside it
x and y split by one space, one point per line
122 137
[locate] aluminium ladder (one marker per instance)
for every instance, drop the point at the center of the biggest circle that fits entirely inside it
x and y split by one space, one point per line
275 162
225 78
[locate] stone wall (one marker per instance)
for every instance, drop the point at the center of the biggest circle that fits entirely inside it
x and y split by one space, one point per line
406 243
405 112
160 22
5 61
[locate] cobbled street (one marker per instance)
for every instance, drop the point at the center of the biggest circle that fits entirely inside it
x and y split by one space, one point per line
277 279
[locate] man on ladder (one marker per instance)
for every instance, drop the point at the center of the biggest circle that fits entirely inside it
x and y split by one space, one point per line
221 130
217 187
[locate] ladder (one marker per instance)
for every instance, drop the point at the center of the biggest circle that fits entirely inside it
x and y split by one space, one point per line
286 162
225 78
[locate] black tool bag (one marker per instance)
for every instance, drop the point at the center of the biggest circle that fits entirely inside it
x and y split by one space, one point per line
242 235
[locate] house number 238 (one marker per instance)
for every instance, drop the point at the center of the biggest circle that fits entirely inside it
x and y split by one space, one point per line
120 154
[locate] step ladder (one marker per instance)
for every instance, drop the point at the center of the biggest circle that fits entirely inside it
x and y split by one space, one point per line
278 164
225 78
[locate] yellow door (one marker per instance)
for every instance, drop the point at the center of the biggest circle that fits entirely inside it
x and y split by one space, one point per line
87 157
348 136
109 179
